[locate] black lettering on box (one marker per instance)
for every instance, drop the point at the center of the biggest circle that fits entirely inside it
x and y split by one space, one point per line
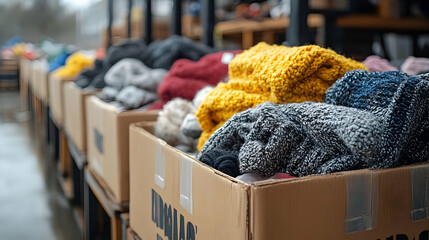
168 222
154 206
182 228
190 232
175 235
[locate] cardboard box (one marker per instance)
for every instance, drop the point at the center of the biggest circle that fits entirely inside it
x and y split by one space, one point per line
75 114
30 70
43 85
36 81
174 195
23 70
56 98
108 143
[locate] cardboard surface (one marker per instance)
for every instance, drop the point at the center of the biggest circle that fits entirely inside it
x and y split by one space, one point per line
75 114
23 86
363 204
56 98
220 206
31 79
43 85
36 79
108 143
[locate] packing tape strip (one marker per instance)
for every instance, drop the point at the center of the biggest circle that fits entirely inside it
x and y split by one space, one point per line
160 164
362 202
420 193
186 183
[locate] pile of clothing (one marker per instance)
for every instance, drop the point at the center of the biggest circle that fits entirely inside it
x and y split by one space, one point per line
177 123
94 78
131 72
277 74
411 65
77 62
368 120
187 77
131 83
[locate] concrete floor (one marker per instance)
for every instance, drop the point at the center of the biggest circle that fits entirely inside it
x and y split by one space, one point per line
32 205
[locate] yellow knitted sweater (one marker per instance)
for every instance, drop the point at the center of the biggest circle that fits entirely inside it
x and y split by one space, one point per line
277 74
74 65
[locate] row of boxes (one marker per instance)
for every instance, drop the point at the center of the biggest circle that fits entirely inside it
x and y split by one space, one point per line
174 196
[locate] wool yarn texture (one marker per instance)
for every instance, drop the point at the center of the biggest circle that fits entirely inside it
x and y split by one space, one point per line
187 77
379 120
163 53
378 64
401 101
277 74
74 65
222 160
133 97
136 83
170 119
190 126
177 123
130 71
414 66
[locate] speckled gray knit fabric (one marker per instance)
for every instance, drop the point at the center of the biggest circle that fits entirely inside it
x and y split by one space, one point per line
383 123
401 100
133 97
299 139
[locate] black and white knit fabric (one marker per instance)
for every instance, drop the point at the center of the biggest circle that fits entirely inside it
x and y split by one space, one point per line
369 120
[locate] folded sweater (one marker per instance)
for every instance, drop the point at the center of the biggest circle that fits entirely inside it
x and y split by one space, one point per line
187 77
277 74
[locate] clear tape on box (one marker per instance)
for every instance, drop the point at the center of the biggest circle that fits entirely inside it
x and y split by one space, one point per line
160 164
420 193
186 183
362 202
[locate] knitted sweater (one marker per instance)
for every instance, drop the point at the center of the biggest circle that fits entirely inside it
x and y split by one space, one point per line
187 77
378 64
74 65
163 53
384 122
401 100
277 74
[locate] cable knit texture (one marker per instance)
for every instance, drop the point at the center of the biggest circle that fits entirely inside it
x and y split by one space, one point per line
379 120
277 74
186 77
